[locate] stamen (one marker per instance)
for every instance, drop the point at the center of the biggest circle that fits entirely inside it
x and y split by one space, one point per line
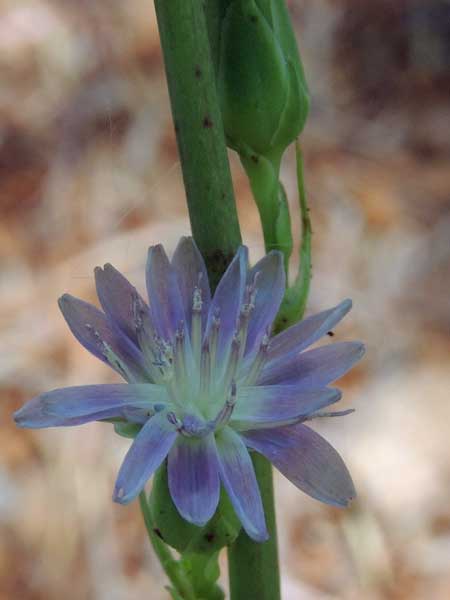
246 311
258 362
173 420
205 370
233 362
196 326
146 335
336 413
214 338
110 356
226 411
179 356
190 426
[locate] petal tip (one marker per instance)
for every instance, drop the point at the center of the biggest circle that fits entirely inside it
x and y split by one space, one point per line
259 536
120 496
360 349
346 304
18 417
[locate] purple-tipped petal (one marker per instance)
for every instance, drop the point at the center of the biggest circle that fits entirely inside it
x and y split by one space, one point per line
147 452
313 369
238 477
93 330
307 460
194 478
166 304
82 404
306 332
191 273
118 298
276 405
227 301
270 286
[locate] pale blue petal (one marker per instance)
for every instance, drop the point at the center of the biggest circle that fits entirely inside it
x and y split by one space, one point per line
194 478
270 286
307 460
191 273
306 332
118 299
82 404
92 329
238 477
274 405
147 452
227 301
166 304
314 369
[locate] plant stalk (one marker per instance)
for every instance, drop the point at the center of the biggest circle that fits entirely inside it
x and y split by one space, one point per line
172 568
199 130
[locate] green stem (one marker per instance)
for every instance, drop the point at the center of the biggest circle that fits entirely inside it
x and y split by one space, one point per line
172 567
253 567
296 297
199 131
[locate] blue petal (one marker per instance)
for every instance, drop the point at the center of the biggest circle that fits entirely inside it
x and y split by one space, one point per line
164 293
82 404
194 478
307 460
191 273
238 477
117 297
314 369
270 286
147 452
91 328
274 405
306 332
227 301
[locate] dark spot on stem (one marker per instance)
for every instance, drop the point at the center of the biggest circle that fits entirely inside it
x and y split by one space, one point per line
217 262
158 533
207 123
198 72
209 537
255 159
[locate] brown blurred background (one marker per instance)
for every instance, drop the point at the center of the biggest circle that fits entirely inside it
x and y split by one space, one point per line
89 174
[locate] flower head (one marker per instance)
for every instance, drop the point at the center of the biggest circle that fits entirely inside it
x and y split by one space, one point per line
205 383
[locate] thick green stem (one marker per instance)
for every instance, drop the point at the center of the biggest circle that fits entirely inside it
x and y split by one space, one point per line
173 568
212 210
199 130
253 567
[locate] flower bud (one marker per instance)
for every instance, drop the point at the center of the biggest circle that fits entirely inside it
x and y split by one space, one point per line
220 531
261 82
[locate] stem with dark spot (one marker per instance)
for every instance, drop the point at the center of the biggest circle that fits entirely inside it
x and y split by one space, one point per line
199 131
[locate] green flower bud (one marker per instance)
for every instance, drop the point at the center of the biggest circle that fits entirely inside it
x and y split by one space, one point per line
261 82
220 531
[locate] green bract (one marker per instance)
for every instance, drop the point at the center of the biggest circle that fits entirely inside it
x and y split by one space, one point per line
261 82
220 531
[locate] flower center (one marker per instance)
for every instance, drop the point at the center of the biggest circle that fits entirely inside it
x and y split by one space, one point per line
201 371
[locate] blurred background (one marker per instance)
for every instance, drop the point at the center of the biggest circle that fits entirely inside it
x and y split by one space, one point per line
89 174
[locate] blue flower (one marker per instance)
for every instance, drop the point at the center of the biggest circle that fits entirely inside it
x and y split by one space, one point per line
205 383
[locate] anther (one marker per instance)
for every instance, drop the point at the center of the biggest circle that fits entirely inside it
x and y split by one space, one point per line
226 411
197 302
336 413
